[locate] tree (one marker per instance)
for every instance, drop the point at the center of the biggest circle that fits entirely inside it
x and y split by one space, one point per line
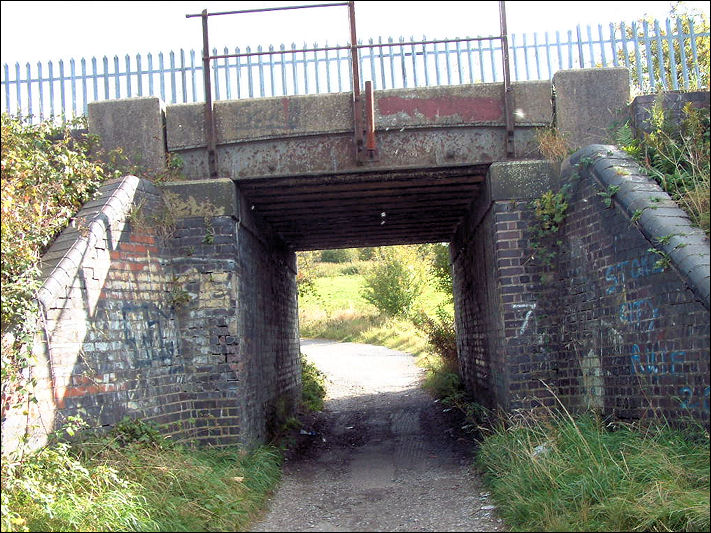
659 52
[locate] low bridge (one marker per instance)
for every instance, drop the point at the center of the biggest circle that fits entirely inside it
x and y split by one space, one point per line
177 301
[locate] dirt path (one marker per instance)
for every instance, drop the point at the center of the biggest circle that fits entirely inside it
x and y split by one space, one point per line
382 457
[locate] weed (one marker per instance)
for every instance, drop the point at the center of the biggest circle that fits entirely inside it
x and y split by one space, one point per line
551 144
664 260
313 383
636 215
209 237
178 296
608 194
677 157
550 211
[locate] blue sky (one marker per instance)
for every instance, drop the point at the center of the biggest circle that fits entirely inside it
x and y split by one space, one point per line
33 31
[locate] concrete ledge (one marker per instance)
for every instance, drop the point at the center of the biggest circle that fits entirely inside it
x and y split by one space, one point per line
661 221
200 198
324 114
520 180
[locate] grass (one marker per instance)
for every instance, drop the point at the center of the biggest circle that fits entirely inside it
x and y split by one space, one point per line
560 473
103 486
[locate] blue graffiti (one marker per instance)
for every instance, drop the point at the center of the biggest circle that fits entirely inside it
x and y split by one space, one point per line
654 362
617 274
637 311
692 401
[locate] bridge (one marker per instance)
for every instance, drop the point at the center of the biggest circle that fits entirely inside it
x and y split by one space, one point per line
177 301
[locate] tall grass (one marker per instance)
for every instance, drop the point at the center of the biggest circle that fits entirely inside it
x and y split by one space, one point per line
560 473
102 485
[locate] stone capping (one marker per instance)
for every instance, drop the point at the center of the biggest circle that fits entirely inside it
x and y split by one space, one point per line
108 209
688 248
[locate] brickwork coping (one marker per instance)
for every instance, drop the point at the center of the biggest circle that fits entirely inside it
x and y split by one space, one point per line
658 217
100 219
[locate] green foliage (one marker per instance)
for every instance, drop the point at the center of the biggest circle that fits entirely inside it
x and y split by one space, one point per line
677 157
131 479
440 331
46 177
395 281
559 473
439 268
608 194
313 383
550 211
342 255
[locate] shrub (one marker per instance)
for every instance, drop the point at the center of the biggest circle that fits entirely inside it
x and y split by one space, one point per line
341 255
313 385
440 331
677 157
46 177
395 281
366 254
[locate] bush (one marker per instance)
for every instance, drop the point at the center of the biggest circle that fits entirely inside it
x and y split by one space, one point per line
341 255
395 281
440 331
313 385
366 254
46 177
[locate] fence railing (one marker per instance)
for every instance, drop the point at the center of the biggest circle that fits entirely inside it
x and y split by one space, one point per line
660 55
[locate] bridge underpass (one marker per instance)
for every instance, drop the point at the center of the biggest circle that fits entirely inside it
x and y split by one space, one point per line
366 208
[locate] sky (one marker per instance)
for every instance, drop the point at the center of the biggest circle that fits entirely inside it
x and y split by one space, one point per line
34 31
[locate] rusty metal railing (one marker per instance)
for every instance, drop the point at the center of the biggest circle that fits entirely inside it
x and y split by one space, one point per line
364 136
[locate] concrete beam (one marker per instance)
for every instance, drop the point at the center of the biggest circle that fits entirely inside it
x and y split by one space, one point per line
134 125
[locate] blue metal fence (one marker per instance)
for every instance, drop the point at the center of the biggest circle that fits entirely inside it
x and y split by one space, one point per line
51 89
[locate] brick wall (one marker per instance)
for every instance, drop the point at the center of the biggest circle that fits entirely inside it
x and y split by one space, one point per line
604 326
149 310
635 331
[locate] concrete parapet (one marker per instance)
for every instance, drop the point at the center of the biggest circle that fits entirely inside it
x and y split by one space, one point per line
134 125
480 103
588 102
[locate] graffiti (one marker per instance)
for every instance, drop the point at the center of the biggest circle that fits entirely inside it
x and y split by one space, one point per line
693 401
656 361
617 274
639 311
143 331
531 308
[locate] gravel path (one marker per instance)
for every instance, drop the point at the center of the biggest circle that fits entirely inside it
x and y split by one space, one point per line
382 456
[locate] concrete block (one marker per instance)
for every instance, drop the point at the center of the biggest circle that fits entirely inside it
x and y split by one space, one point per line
589 101
521 179
185 126
133 124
